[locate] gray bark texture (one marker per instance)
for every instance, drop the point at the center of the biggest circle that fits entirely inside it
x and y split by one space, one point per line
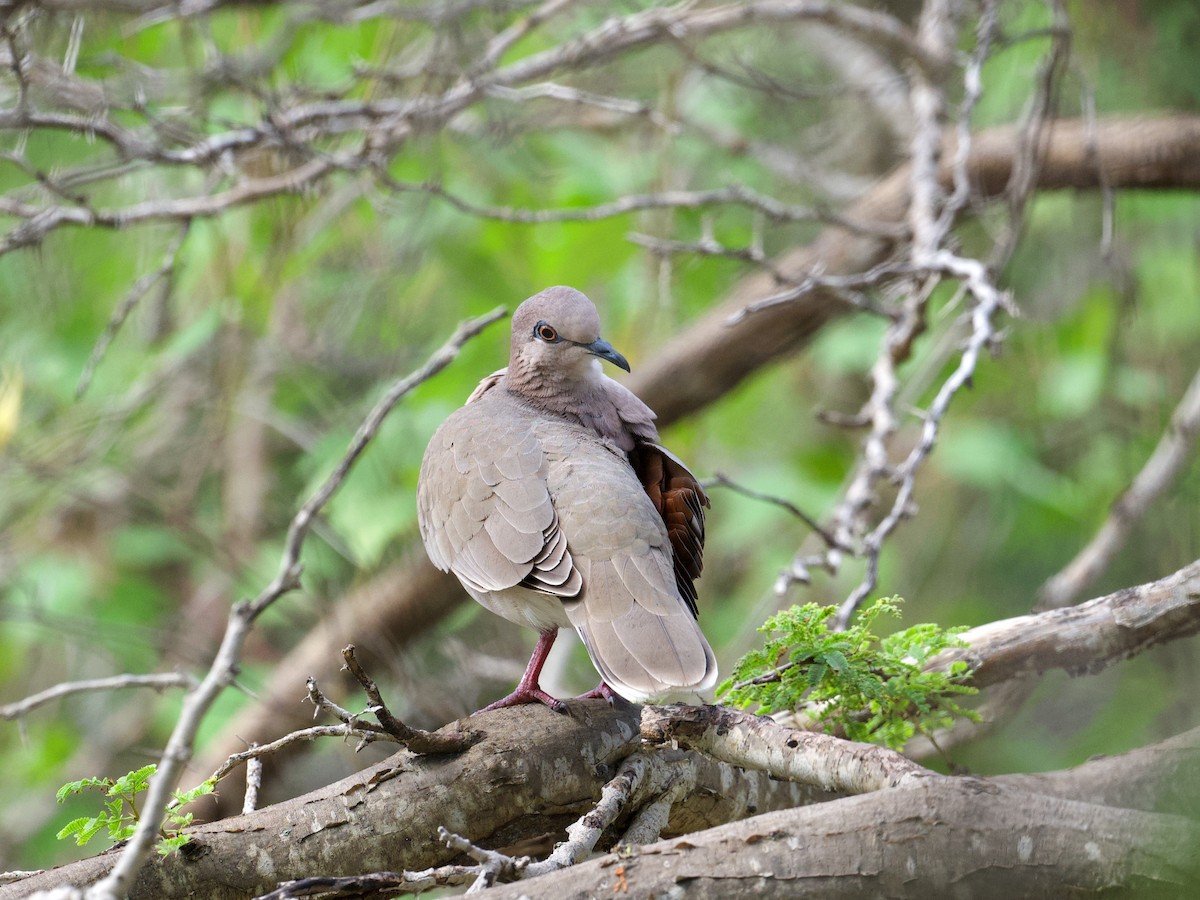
969 839
533 773
1120 826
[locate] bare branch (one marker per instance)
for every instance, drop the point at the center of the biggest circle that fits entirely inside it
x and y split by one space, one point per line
259 751
989 302
719 479
582 835
374 882
492 865
1084 638
757 742
141 287
932 838
117 682
414 739
733 195
650 821
1174 451
321 702
501 43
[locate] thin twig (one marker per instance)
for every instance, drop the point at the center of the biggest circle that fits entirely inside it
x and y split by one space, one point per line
1175 449
719 479
493 865
159 682
259 751
989 302
414 739
321 702
141 287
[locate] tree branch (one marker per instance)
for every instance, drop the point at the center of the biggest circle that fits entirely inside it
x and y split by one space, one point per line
934 838
1174 451
534 772
1129 153
159 682
756 742
1086 638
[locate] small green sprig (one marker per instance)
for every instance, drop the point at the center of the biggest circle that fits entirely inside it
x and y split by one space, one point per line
853 682
120 815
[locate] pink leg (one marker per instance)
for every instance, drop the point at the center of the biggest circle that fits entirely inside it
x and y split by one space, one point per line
600 692
528 690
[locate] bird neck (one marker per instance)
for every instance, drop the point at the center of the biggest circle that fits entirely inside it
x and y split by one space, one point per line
583 398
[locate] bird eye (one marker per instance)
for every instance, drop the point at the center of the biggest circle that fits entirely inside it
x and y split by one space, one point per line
546 332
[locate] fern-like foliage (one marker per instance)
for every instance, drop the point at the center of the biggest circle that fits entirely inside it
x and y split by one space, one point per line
120 816
853 682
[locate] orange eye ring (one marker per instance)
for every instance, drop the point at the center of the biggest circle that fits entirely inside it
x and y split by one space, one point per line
545 331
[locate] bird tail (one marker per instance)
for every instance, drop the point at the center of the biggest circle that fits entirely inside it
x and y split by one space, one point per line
643 656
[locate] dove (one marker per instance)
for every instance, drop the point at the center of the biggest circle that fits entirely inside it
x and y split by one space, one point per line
549 497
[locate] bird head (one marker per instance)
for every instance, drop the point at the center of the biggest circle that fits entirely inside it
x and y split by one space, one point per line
557 333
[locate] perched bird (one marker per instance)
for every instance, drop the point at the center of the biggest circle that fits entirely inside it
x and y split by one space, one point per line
549 497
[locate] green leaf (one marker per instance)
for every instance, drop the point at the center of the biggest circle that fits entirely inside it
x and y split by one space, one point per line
837 661
838 676
169 845
76 787
200 790
84 829
74 827
133 782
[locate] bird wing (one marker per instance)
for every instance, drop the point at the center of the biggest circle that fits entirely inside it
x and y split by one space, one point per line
483 504
639 628
680 500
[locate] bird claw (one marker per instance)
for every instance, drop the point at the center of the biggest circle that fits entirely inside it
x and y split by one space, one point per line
600 692
528 694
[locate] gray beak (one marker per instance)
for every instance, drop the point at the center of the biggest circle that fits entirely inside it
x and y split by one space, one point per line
604 350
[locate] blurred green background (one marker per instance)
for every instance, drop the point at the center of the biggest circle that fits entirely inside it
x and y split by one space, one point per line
132 516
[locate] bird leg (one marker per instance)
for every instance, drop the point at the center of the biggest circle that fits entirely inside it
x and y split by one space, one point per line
600 692
528 690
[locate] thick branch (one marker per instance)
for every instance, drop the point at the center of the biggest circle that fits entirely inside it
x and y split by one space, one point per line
1084 638
757 742
534 772
940 837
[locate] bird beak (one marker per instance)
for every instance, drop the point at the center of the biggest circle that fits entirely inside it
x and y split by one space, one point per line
604 350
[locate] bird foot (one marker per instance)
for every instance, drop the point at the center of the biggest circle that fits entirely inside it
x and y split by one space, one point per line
600 692
527 694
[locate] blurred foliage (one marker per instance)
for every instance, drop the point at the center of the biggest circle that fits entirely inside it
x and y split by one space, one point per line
133 515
